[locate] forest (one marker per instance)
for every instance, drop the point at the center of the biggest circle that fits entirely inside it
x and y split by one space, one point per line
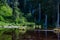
22 12
39 14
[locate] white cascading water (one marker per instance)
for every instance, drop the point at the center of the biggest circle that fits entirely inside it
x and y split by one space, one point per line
58 19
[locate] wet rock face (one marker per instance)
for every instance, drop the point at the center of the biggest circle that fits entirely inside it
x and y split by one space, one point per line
40 36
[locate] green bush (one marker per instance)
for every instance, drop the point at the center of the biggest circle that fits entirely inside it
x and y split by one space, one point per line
5 10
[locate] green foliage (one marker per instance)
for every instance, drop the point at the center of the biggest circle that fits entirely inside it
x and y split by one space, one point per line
1 18
29 17
19 16
6 11
3 23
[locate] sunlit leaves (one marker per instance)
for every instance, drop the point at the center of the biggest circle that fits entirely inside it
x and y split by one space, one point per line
5 11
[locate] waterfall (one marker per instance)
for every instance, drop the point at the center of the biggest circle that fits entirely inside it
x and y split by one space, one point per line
39 19
30 8
33 11
58 19
45 24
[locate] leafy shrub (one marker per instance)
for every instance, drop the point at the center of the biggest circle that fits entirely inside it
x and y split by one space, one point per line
5 10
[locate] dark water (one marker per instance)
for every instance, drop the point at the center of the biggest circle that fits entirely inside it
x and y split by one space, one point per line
36 35
31 35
